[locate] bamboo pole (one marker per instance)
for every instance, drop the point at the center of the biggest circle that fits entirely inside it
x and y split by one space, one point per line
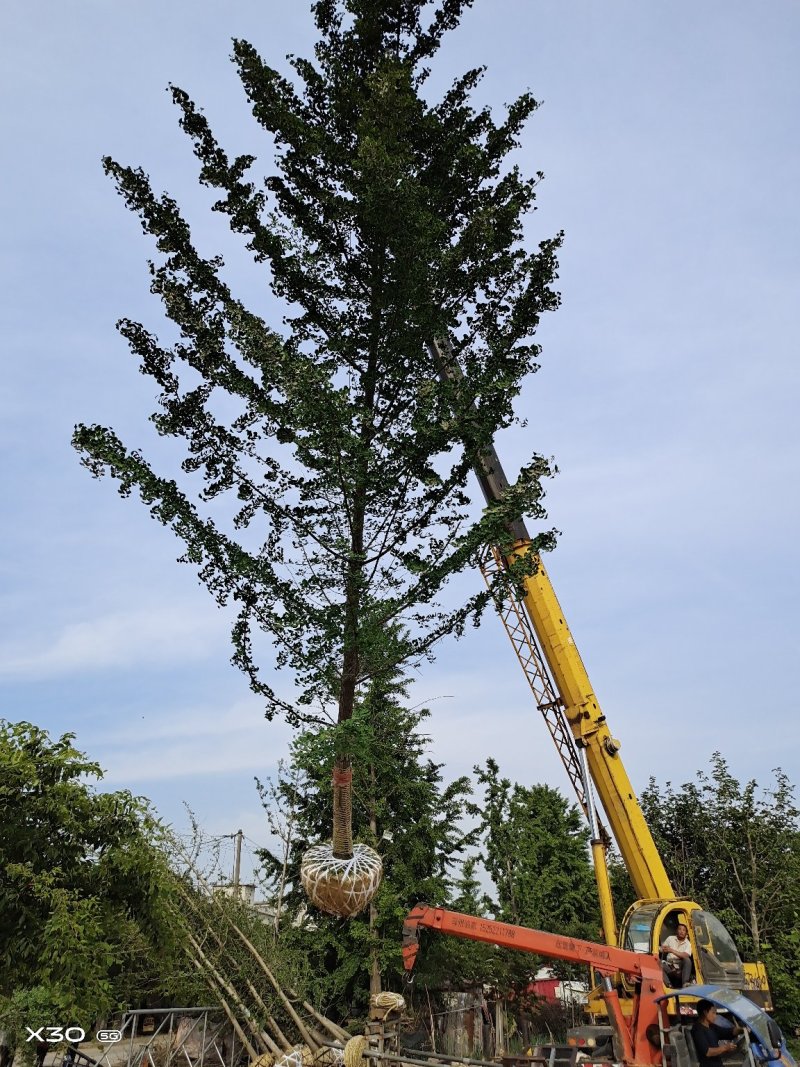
333 1028
313 1044
306 1035
276 1049
228 988
273 1047
308 1038
231 1017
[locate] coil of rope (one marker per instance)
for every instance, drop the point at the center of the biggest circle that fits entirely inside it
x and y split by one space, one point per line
389 1002
354 1050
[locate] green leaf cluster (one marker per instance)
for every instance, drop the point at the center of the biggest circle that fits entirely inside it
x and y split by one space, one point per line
530 842
536 852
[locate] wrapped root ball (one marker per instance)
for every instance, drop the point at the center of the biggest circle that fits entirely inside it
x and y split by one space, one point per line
299 1056
341 886
329 1057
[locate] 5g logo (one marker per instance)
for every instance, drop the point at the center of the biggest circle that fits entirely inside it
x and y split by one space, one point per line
56 1034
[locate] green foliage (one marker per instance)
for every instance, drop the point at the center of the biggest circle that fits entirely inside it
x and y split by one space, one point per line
468 893
395 789
322 488
735 847
621 885
536 852
472 963
26 1006
84 895
532 843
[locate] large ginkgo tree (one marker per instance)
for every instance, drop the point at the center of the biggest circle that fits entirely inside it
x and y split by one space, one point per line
324 486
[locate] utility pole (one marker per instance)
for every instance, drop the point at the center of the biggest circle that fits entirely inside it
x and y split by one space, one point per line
237 862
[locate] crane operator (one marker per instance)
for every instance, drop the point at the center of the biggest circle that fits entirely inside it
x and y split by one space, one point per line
677 965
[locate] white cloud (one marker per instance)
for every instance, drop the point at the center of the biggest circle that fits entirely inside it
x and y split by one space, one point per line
157 634
203 741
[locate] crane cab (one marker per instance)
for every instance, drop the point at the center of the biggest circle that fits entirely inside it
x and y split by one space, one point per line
715 958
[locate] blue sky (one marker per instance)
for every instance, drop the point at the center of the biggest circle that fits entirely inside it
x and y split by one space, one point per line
668 391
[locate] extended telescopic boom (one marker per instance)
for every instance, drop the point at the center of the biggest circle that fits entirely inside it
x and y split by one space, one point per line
579 705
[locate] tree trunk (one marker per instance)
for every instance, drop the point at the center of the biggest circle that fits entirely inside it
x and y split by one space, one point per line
352 603
375 986
754 924
342 808
511 894
375 965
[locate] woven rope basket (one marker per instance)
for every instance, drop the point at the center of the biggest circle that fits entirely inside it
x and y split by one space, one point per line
329 1057
341 886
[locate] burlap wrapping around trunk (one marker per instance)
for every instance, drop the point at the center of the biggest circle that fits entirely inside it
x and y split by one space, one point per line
341 886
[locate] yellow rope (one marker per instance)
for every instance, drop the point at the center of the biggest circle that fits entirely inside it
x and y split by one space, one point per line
266 1059
354 1050
389 1001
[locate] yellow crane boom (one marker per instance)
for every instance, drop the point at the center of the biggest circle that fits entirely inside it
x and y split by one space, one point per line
564 694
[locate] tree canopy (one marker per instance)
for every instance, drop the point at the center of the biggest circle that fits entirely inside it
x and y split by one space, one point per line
85 922
735 846
322 488
536 852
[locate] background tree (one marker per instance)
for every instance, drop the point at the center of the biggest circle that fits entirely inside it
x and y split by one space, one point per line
735 847
535 850
323 485
471 963
279 801
534 847
85 898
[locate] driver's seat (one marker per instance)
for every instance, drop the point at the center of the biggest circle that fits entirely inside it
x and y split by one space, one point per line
680 1050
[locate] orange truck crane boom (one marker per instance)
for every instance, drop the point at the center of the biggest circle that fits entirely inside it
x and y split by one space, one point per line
632 1044
654 1032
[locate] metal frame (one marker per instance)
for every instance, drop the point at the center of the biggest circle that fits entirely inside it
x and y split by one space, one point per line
219 1046
523 640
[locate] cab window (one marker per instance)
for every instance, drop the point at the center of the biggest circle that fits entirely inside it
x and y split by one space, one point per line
638 937
714 938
